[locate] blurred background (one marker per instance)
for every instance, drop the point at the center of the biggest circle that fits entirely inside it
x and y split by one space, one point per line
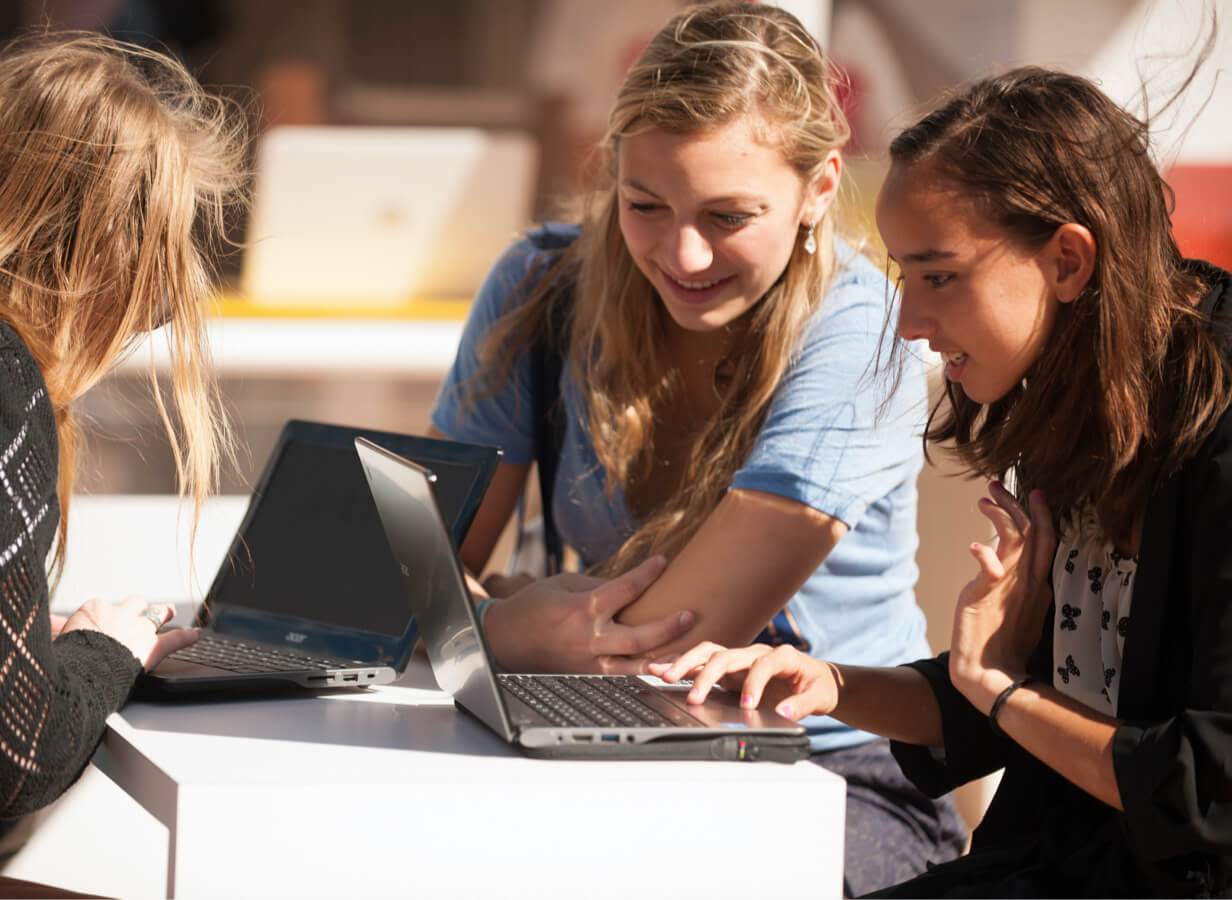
400 144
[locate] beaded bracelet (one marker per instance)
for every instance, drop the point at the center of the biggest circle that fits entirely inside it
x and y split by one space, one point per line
1000 702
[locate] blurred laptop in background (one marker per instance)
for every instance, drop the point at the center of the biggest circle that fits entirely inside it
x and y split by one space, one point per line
379 216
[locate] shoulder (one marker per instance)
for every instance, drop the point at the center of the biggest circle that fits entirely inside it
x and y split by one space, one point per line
538 248
22 385
856 303
856 275
23 392
519 268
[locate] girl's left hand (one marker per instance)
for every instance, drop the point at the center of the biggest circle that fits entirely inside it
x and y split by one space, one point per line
1000 614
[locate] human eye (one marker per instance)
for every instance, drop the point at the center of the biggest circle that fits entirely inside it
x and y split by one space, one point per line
938 279
643 208
733 221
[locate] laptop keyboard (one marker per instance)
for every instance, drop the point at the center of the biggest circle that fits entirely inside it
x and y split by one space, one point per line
249 656
580 701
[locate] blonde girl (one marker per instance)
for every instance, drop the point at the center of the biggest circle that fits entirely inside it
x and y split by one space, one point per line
720 409
115 173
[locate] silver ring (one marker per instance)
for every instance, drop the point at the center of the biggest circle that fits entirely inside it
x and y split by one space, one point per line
157 615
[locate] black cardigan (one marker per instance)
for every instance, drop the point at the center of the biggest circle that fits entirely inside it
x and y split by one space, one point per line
1173 747
54 695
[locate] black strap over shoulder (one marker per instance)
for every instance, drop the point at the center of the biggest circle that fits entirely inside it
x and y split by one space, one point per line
547 362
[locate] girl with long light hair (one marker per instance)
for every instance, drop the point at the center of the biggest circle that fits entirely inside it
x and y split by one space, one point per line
720 409
116 171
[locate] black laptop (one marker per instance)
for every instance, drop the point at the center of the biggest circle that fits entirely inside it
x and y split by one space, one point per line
309 595
559 716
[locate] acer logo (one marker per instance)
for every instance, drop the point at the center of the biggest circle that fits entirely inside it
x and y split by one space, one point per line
295 637
405 570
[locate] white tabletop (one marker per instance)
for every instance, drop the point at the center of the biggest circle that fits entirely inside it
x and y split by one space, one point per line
394 791
390 790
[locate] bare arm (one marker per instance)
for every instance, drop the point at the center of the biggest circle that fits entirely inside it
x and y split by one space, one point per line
997 623
743 565
494 513
1065 736
895 702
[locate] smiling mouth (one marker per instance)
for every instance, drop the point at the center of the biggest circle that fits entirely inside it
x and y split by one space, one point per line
694 285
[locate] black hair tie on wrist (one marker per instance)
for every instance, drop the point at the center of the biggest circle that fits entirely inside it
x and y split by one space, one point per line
1000 702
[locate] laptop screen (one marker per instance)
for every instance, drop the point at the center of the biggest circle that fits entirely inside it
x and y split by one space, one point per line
432 580
316 547
311 565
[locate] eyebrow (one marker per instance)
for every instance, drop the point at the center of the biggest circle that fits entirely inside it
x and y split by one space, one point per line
925 256
629 182
730 198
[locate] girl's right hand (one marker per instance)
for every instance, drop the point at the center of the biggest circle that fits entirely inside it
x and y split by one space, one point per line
796 683
567 623
135 624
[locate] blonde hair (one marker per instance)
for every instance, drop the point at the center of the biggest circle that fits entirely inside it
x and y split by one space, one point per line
116 174
709 66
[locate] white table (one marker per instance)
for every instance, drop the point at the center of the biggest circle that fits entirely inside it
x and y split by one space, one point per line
391 790
394 791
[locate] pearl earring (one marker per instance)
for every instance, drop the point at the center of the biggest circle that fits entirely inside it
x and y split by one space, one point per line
810 240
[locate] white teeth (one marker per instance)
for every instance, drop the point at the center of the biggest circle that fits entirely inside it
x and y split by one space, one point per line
696 285
954 358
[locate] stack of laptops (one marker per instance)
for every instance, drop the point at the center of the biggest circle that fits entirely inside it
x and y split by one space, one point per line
309 595
560 716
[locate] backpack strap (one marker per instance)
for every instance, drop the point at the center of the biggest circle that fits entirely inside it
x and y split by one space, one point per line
547 362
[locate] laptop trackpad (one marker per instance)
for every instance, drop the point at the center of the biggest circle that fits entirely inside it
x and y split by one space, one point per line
722 710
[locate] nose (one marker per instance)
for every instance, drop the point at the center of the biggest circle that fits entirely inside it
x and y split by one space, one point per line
692 252
915 323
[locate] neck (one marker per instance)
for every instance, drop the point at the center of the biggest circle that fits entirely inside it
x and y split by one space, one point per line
700 349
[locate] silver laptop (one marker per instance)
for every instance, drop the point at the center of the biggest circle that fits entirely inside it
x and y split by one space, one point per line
562 716
378 216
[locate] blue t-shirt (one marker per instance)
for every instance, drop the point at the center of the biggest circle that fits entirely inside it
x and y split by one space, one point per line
830 441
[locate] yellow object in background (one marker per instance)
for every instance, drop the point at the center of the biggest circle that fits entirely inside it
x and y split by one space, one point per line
430 309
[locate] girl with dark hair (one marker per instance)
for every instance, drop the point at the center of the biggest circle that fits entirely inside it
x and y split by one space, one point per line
1091 654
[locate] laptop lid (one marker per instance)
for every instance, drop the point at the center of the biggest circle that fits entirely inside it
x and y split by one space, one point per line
432 577
310 566
382 215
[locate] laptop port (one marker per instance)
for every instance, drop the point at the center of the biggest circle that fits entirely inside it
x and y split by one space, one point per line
613 738
354 676
583 738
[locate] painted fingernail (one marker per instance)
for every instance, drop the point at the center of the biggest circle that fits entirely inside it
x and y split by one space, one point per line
747 701
785 710
686 618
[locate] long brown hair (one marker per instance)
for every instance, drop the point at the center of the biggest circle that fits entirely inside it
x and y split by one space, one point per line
116 173
1131 379
710 65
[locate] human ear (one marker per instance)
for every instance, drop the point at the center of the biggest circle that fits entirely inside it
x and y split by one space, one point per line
1073 250
821 191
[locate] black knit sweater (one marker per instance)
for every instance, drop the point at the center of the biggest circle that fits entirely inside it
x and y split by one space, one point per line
54 695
